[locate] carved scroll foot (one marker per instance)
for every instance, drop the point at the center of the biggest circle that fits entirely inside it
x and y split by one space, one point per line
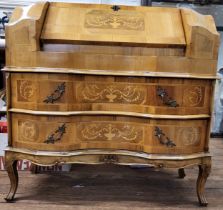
11 167
181 173
204 171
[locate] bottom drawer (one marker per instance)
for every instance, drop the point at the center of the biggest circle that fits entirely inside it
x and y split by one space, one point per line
66 133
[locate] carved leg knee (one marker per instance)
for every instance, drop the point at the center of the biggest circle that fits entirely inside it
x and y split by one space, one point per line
181 173
11 167
204 171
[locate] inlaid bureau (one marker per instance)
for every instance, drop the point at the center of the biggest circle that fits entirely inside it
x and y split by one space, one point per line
110 84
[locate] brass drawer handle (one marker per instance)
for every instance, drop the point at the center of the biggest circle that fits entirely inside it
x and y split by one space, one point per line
162 93
56 95
163 139
57 135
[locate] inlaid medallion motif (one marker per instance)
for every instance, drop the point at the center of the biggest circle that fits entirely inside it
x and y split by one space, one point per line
28 131
189 135
103 93
110 132
193 96
26 90
114 20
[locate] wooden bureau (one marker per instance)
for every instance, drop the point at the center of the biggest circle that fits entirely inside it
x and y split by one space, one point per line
109 84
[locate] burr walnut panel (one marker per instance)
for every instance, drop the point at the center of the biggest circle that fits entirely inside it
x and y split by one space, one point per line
57 92
58 133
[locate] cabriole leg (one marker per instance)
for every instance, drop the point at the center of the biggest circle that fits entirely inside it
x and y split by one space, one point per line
11 167
181 173
204 171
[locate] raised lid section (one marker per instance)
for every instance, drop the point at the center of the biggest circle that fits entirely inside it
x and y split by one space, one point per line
81 23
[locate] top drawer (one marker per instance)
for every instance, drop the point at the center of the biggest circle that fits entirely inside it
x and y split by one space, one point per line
64 92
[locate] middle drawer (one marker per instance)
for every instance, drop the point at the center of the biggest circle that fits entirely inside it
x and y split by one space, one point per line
66 92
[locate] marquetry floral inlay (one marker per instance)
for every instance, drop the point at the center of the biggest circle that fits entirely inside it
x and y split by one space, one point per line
189 135
114 20
26 90
110 132
28 130
111 93
193 95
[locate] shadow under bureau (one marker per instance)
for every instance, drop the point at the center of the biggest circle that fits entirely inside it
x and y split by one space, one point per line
103 84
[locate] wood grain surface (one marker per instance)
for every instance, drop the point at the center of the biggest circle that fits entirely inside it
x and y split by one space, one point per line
99 84
41 92
108 132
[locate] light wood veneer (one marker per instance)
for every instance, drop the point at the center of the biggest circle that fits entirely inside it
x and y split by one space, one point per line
102 84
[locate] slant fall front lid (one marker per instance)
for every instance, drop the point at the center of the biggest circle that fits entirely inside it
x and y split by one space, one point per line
118 24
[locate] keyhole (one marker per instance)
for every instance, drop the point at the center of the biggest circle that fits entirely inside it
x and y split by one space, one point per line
115 8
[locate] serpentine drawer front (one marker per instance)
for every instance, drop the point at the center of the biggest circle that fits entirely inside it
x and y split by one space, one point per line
109 84
58 92
57 133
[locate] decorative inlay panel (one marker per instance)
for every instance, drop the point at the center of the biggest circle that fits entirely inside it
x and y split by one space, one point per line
103 93
75 93
110 132
194 96
105 19
189 135
28 130
26 90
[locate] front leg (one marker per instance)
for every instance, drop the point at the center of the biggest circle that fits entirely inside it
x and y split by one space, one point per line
204 171
11 167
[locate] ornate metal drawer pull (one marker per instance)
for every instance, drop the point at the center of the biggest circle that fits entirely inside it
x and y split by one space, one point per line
56 95
162 93
109 159
57 135
163 139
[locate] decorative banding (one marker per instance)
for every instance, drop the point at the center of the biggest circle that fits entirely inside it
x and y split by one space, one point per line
133 114
137 73
107 152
